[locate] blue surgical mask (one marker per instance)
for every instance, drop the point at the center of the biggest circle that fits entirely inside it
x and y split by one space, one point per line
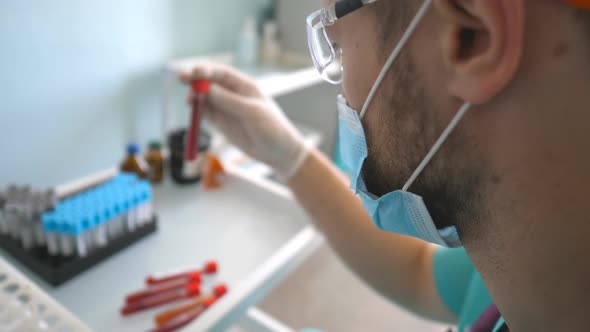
400 211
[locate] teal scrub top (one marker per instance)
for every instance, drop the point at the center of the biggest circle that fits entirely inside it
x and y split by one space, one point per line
460 286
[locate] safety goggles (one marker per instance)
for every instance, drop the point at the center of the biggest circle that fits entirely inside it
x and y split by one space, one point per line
327 55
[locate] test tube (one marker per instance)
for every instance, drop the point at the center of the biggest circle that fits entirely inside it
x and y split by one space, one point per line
185 317
15 221
66 244
160 289
50 227
37 228
111 225
187 274
129 195
79 232
191 290
13 209
7 209
200 88
87 226
169 315
146 206
26 226
100 235
139 197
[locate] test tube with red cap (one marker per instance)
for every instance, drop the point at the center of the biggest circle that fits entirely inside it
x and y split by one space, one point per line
163 288
167 316
160 299
209 268
200 89
186 317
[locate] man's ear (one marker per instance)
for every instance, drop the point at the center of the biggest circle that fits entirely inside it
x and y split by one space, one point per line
482 45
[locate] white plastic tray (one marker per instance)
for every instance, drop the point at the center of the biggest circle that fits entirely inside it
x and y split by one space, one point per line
25 307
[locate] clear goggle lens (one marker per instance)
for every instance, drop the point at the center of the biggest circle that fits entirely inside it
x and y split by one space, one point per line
326 55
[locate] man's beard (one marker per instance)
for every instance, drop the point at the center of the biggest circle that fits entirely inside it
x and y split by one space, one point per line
400 134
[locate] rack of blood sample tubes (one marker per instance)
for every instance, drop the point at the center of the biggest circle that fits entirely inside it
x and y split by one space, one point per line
43 231
194 288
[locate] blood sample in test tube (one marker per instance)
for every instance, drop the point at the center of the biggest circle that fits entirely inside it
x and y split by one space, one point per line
169 315
200 88
185 318
161 288
160 299
209 268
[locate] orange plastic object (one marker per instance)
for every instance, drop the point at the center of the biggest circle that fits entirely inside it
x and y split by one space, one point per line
213 168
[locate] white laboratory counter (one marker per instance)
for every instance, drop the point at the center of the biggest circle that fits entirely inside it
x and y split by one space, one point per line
256 234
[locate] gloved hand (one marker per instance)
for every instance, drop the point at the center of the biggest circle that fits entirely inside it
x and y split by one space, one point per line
251 120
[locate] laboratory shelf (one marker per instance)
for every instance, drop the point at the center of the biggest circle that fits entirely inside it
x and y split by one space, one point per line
251 226
291 73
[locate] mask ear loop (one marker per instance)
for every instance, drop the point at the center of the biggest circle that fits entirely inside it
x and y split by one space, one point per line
396 52
445 135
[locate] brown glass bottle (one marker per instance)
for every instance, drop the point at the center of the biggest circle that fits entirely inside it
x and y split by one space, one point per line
134 163
155 161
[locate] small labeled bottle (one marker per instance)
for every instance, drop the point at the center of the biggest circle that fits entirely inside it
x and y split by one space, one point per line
134 162
155 161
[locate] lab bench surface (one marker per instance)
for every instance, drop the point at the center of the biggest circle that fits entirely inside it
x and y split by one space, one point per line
241 226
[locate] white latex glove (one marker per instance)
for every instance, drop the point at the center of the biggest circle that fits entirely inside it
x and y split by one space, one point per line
250 120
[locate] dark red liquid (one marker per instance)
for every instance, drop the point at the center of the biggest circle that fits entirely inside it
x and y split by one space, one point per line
194 130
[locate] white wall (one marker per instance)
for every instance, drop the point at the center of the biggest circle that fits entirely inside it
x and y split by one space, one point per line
315 107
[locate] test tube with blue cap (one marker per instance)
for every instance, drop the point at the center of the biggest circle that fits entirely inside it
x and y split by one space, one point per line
78 233
145 197
88 205
149 196
87 227
64 226
100 235
133 214
140 201
50 227
112 227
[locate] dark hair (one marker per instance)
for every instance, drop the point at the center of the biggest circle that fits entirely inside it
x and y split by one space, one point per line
394 16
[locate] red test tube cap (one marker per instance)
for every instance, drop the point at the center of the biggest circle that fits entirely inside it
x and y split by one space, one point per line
195 276
200 86
193 289
210 267
220 290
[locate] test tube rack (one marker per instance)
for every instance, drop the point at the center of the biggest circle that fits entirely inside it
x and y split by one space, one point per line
81 230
